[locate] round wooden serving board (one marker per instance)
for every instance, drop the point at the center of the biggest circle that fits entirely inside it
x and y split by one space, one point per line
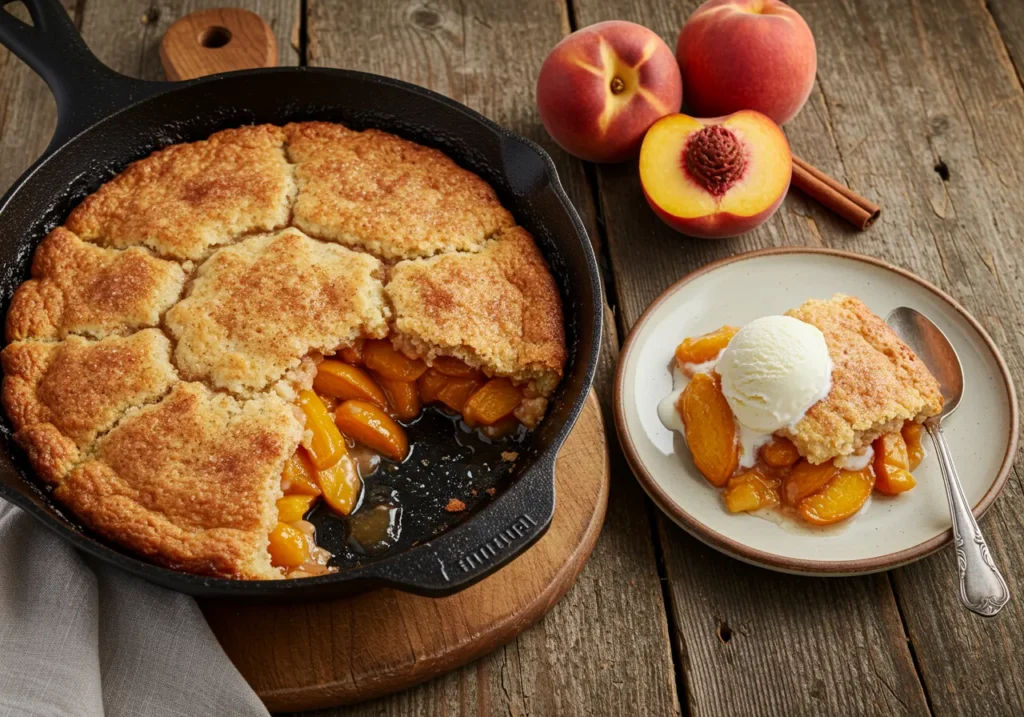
310 655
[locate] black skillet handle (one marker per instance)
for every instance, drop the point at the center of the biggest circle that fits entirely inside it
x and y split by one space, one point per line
86 90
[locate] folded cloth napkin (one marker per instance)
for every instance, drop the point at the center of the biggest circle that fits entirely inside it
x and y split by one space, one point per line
84 639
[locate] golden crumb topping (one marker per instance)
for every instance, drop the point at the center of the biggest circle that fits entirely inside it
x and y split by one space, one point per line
80 288
382 194
184 199
257 308
877 381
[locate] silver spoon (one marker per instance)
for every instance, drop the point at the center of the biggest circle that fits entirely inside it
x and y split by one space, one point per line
982 588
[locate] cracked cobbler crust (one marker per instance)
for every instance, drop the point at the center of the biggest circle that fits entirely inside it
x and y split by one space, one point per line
81 288
257 308
61 396
382 194
191 482
155 355
497 309
186 198
877 382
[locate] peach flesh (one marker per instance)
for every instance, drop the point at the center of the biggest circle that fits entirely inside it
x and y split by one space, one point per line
715 178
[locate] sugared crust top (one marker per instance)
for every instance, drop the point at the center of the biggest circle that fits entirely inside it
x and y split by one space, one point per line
498 309
81 288
186 198
61 396
256 308
379 193
171 440
877 381
191 481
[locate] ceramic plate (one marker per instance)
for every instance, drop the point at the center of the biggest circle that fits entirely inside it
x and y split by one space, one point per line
887 532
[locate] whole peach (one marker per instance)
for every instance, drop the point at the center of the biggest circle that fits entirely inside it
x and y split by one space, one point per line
602 87
747 55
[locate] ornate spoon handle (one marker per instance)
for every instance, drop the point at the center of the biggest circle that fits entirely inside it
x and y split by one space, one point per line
982 588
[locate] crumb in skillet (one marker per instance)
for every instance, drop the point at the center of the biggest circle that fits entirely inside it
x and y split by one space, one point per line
509 456
455 506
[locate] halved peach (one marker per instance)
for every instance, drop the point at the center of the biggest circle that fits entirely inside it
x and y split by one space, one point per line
710 428
843 496
715 178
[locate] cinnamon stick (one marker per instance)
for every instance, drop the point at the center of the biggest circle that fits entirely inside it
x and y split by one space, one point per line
834 196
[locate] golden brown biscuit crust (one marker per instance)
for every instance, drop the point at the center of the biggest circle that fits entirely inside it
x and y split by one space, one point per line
80 288
382 194
258 307
186 198
498 309
188 475
191 481
60 397
877 381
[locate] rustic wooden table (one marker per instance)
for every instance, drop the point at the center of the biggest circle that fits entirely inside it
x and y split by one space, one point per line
918 105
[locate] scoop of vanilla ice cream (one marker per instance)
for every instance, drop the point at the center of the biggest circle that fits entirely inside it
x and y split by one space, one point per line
773 370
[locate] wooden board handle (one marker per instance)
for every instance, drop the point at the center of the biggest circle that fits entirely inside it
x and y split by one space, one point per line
218 40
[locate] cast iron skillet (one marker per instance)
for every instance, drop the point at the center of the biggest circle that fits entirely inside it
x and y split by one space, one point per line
106 120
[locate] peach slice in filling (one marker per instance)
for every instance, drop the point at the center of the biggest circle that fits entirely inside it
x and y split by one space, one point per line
715 178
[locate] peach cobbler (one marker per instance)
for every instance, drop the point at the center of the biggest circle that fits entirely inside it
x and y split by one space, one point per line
233 331
806 413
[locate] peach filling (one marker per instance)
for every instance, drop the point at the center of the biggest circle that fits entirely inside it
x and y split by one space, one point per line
355 413
781 479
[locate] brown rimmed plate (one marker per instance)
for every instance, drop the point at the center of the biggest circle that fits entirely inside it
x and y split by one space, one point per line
888 531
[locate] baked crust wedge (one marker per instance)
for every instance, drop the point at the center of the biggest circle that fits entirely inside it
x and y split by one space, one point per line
382 194
62 396
190 482
182 200
877 382
258 309
498 310
81 288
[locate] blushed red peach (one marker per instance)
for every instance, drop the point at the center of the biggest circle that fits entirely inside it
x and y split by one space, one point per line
747 55
715 178
602 87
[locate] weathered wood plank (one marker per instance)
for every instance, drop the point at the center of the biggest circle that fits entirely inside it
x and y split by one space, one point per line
796 645
604 649
927 105
1009 18
28 113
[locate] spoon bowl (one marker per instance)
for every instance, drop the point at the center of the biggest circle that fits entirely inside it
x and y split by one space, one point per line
931 345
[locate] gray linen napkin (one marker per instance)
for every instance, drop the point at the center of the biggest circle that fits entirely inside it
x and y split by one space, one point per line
83 639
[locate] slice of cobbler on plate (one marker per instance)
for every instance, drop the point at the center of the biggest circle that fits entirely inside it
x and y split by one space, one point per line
806 413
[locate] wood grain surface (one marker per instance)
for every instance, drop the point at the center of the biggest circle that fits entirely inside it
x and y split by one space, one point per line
918 105
302 656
